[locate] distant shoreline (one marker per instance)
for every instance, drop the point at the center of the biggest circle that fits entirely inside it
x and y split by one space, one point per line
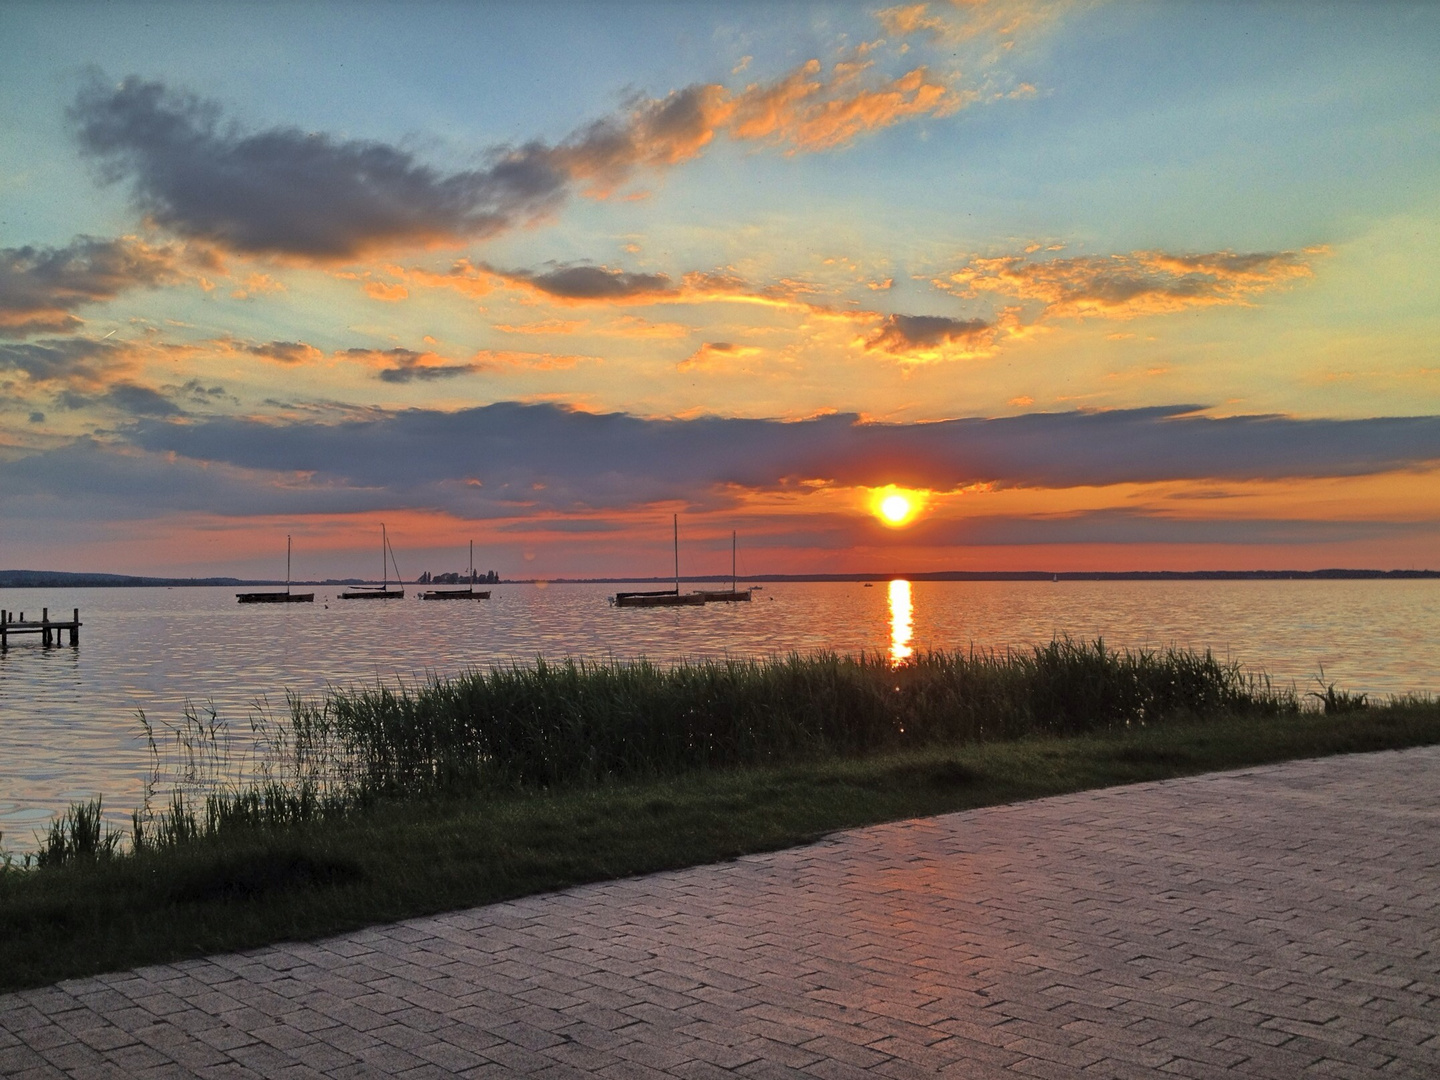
58 579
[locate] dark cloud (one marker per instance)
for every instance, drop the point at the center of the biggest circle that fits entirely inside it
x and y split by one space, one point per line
89 479
407 365
311 196
288 192
900 334
40 288
510 460
286 352
595 283
64 360
554 457
129 398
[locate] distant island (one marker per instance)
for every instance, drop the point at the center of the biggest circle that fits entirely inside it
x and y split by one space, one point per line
59 579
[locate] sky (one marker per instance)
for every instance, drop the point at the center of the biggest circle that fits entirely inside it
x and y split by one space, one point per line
984 285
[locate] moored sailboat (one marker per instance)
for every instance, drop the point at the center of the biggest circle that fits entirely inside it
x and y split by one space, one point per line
383 590
286 597
467 593
720 596
662 597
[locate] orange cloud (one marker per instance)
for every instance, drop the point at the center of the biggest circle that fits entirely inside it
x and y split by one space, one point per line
911 19
257 283
1129 286
805 112
379 290
714 354
463 277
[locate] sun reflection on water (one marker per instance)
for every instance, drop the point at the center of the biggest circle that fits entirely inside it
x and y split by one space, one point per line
900 622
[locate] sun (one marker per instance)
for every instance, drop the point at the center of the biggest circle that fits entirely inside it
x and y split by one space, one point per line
896 507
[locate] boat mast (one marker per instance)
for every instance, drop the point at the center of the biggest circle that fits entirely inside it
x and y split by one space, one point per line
287 564
675 523
472 565
384 567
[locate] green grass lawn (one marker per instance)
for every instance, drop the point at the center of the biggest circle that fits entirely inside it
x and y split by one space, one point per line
400 858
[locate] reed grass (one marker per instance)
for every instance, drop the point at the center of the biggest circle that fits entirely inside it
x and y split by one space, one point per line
395 858
578 723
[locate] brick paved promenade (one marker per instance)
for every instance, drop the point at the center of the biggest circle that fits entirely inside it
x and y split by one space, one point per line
1275 922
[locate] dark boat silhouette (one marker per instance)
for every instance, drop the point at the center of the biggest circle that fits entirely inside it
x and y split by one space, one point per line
662 597
468 593
720 596
286 597
383 590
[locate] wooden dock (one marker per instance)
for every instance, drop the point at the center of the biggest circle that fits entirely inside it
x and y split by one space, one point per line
48 630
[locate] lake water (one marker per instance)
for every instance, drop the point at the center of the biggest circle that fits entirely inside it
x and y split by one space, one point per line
68 717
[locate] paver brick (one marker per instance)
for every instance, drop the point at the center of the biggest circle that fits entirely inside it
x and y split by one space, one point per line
1277 921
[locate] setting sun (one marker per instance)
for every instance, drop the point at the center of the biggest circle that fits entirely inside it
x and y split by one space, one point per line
896 506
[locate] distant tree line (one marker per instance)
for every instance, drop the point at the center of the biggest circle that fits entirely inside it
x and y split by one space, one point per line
490 577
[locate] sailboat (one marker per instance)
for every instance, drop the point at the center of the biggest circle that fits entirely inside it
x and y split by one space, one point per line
720 596
467 593
383 590
661 597
286 597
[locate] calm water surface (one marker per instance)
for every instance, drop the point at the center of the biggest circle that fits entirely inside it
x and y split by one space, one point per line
68 717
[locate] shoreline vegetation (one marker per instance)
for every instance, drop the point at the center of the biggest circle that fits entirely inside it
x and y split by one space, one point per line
377 804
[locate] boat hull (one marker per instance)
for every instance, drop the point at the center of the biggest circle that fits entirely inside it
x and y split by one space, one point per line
275 598
725 597
455 594
375 594
658 599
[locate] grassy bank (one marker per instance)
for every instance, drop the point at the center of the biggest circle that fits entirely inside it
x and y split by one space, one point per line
470 791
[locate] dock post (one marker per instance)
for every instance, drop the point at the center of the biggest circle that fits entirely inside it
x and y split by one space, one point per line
4 644
45 627
75 628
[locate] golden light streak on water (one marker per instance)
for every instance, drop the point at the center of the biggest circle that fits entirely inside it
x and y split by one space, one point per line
901 622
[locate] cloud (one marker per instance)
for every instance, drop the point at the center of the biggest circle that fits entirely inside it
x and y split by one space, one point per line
546 457
924 335
912 19
1129 286
580 284
803 111
407 365
90 479
317 198
286 352
129 398
379 290
287 192
713 354
41 288
1003 20
73 362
